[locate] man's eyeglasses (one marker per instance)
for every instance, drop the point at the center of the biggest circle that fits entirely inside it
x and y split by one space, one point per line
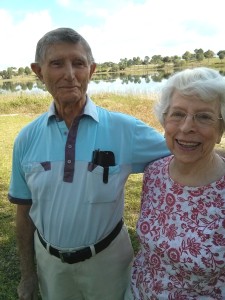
200 118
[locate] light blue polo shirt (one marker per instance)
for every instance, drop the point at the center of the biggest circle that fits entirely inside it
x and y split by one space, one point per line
71 205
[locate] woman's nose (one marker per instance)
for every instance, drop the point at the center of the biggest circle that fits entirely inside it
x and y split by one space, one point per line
188 123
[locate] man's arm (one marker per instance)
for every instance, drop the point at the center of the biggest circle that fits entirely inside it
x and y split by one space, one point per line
28 286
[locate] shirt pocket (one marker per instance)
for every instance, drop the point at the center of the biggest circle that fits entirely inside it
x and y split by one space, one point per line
38 178
100 192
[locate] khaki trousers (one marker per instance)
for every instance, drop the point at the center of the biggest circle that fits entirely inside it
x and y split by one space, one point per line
104 276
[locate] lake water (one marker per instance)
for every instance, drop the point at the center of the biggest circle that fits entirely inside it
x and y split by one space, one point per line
120 87
146 84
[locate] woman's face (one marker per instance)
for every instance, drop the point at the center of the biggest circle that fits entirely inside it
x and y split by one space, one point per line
192 139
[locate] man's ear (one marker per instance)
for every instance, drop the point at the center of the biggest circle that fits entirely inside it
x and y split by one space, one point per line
36 68
92 69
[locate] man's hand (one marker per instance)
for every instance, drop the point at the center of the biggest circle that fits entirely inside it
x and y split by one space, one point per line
28 288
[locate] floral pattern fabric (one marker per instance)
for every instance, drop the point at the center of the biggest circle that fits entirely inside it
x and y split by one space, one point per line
182 235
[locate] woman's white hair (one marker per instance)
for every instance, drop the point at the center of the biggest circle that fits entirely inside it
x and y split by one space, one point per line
205 83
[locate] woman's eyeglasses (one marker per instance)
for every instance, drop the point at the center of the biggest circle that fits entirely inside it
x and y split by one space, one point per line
200 118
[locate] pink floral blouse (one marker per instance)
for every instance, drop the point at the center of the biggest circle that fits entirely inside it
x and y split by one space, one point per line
182 235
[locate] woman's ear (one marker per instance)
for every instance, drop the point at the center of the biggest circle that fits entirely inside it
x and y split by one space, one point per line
218 140
221 132
36 68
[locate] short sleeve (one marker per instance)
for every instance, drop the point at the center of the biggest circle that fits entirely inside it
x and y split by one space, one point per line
19 192
148 146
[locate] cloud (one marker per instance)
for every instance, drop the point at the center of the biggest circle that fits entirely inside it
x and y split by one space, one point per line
19 38
156 27
65 3
116 30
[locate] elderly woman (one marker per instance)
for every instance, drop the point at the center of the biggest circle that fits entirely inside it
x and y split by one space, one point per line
181 227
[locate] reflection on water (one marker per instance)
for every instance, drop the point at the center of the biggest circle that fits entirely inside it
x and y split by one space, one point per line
128 83
110 83
116 83
25 86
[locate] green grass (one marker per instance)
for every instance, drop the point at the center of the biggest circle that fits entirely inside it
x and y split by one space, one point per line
9 270
15 112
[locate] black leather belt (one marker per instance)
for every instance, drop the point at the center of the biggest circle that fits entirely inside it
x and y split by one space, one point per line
85 253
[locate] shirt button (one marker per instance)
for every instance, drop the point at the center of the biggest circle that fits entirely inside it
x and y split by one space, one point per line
69 161
69 146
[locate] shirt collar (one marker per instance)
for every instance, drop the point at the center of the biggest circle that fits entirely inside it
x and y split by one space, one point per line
89 110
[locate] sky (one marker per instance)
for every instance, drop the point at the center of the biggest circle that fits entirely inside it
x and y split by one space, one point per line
114 29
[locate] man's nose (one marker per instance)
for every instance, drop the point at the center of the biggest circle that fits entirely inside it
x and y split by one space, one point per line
69 72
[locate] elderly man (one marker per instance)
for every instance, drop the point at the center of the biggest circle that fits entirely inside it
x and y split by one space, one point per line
69 169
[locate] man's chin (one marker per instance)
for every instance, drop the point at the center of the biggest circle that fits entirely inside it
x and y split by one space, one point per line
70 99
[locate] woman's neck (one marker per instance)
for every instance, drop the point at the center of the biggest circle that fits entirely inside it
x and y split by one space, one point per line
199 173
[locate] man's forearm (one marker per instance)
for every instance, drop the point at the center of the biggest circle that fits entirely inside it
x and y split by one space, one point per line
25 240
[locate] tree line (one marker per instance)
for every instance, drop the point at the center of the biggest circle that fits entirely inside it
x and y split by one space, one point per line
158 60
10 72
155 61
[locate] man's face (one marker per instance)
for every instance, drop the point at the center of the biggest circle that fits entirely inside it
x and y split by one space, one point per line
66 73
